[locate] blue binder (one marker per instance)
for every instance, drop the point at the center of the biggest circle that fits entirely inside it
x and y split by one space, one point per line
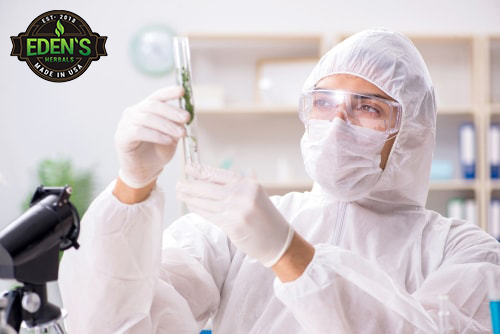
494 148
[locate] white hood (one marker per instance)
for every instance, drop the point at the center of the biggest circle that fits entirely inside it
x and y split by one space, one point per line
390 61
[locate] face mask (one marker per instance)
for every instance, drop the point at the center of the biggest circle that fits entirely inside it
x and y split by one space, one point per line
343 159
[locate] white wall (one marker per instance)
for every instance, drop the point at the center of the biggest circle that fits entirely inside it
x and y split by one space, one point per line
40 119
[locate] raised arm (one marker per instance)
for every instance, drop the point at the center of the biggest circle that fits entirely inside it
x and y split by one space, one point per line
116 282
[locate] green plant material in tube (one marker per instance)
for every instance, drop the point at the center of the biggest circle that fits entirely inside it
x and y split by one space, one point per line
186 83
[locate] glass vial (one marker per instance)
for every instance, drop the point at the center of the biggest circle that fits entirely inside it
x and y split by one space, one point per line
182 59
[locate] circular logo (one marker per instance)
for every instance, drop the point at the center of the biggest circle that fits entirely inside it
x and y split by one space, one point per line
58 46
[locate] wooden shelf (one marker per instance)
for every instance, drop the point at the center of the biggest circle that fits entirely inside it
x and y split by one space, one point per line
453 185
449 109
266 45
280 188
454 110
249 110
222 40
495 108
495 185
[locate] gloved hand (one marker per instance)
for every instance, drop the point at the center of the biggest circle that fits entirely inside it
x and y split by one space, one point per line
241 208
147 135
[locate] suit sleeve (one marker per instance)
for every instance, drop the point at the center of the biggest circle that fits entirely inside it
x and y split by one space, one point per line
343 292
121 280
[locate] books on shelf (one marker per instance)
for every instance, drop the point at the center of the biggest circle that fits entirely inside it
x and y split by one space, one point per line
494 221
462 208
494 150
468 150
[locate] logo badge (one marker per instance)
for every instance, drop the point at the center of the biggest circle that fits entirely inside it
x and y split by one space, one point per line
58 46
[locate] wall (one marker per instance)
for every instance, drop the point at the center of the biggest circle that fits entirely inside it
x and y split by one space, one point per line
77 119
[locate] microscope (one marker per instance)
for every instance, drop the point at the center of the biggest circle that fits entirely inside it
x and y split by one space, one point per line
29 253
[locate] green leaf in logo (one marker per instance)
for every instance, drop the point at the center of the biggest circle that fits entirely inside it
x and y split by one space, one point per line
59 28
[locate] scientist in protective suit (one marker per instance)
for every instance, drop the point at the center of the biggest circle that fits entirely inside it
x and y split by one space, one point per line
357 254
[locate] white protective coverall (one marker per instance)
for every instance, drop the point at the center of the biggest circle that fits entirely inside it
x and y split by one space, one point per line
380 263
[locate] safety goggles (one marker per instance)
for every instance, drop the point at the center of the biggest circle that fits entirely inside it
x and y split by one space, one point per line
366 111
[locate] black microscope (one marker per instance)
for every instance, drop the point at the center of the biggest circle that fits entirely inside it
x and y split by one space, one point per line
29 253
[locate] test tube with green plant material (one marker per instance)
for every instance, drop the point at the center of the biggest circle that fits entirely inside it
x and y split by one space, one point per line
184 78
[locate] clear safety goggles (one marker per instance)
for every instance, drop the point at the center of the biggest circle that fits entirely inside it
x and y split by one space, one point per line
366 111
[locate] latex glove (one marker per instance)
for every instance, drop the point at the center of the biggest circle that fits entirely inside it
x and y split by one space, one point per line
147 136
241 208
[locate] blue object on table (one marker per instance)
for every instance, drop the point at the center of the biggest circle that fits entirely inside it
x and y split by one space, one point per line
441 170
206 331
495 315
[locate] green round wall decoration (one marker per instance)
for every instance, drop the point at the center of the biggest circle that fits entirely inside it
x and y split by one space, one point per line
151 50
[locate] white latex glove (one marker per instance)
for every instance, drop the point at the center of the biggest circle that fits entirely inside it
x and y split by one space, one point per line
147 136
241 208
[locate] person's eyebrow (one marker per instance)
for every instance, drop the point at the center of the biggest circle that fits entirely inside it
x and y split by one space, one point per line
375 95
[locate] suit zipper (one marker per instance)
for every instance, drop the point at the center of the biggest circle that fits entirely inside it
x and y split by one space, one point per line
339 224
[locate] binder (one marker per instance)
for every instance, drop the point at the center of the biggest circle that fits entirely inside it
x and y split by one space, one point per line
463 209
494 221
467 141
494 148
456 208
470 211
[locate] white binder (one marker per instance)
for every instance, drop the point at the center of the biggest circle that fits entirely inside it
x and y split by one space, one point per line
467 139
494 221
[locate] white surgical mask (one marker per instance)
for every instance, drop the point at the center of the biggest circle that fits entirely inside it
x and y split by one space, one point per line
343 159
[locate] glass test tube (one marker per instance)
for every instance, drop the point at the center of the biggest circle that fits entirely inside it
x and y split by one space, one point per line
182 61
444 315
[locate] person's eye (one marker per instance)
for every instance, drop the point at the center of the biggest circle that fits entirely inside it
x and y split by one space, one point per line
322 103
369 110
